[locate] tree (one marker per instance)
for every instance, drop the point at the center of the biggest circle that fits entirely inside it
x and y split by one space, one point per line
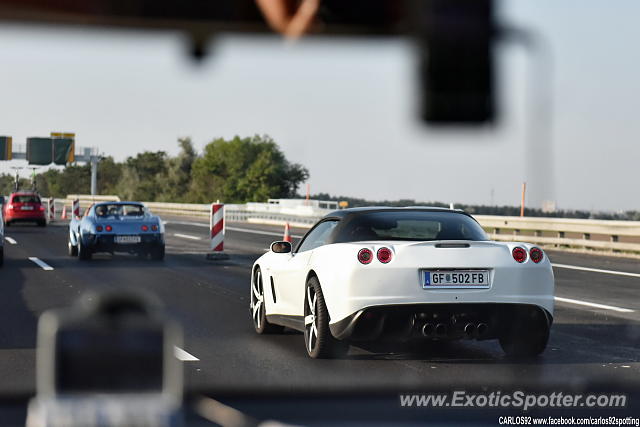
179 173
143 176
243 170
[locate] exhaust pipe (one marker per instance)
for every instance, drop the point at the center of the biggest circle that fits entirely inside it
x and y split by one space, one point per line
441 329
428 329
469 330
481 330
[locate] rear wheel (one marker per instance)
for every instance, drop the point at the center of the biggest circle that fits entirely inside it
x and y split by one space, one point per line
258 309
72 249
318 340
157 253
525 339
84 253
42 223
1 256
7 224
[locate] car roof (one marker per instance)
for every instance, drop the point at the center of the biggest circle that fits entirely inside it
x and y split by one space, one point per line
342 213
119 203
25 193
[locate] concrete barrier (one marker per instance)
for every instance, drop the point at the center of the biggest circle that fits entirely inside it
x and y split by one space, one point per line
559 233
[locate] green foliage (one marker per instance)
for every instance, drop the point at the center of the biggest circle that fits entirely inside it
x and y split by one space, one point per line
243 170
178 175
143 176
238 170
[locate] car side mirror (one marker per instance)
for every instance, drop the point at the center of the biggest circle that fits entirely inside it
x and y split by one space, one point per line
281 247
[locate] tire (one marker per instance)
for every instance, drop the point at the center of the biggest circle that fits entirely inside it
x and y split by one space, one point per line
525 339
1 257
7 224
84 253
72 249
157 253
319 342
257 308
42 223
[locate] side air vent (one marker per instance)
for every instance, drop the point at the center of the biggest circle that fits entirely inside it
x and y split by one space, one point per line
452 245
273 290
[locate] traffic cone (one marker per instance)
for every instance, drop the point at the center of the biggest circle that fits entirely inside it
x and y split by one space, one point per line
64 212
287 233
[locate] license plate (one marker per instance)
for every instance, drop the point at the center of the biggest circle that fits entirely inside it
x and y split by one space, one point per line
27 208
127 240
452 279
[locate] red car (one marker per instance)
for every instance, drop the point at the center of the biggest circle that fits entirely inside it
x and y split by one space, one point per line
24 206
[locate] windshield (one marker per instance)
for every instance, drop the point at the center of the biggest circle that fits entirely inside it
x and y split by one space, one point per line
419 226
28 198
119 209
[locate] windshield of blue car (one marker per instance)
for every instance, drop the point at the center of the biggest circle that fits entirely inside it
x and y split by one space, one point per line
119 210
414 226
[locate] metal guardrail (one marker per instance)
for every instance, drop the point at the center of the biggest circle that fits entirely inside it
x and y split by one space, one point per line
561 233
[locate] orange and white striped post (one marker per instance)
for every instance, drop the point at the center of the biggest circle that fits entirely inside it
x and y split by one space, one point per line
51 205
216 226
64 211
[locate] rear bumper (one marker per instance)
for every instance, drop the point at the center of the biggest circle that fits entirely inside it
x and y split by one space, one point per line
407 321
363 288
24 216
105 243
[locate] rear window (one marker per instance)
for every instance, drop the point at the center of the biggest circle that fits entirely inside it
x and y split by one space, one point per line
26 198
119 210
418 226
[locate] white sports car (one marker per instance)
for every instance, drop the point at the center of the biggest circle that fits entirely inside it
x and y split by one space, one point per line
371 273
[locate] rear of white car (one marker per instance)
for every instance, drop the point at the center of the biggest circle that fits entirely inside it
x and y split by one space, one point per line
455 285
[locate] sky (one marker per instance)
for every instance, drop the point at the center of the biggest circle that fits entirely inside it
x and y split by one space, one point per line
345 108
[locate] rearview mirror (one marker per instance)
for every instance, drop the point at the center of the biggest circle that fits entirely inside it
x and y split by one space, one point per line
281 247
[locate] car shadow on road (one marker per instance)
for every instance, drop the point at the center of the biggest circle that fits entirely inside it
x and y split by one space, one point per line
569 344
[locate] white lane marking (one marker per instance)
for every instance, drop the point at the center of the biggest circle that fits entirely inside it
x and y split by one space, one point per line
266 233
186 236
180 354
41 263
242 230
596 270
594 305
197 224
10 240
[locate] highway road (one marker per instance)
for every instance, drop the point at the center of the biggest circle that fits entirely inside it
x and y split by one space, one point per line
594 339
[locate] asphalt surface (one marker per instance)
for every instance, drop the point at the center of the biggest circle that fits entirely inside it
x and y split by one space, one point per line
594 340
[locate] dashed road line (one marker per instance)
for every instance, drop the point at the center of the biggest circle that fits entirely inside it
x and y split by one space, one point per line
181 354
187 236
10 240
594 305
41 263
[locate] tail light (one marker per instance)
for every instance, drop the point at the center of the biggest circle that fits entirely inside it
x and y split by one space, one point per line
519 254
98 228
365 256
154 227
108 228
145 228
41 208
536 255
384 255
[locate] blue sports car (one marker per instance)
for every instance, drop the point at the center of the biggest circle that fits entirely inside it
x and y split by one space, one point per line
116 227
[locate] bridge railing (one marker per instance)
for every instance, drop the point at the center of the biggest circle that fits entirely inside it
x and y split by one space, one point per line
560 233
